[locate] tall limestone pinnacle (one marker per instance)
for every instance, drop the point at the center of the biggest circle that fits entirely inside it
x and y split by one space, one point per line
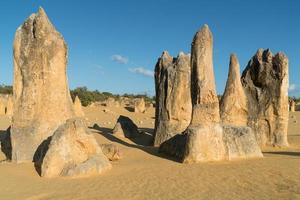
265 80
41 98
233 109
206 138
204 97
173 97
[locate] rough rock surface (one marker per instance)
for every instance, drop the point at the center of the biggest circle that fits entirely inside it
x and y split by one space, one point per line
292 106
41 99
111 102
78 107
240 142
111 151
6 104
207 139
204 143
265 80
139 105
74 152
174 107
204 134
204 97
233 106
125 127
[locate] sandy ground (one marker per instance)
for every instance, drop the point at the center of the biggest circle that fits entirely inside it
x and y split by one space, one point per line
145 174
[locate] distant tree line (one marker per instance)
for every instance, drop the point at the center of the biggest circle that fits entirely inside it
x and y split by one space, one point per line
87 96
6 89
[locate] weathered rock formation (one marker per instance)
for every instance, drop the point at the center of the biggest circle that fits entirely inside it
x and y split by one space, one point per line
111 151
206 138
292 106
73 151
204 134
41 98
173 97
139 105
78 107
265 80
111 102
125 127
233 106
6 104
9 106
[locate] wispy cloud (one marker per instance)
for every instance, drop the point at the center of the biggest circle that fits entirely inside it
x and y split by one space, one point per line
142 71
119 59
292 87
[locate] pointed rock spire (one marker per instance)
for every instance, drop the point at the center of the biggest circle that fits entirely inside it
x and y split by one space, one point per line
41 96
78 107
233 109
204 98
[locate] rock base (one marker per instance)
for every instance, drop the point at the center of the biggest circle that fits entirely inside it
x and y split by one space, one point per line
213 143
72 151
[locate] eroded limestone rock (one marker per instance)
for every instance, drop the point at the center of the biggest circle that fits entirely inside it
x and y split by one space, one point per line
78 107
139 105
73 152
207 139
292 106
265 80
233 109
41 99
125 127
173 96
111 151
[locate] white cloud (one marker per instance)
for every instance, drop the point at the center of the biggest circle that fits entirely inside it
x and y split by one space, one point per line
292 87
143 71
119 59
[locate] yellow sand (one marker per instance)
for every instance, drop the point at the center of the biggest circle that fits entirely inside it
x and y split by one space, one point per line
144 174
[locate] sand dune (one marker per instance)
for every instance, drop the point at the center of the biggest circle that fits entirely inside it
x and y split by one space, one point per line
145 174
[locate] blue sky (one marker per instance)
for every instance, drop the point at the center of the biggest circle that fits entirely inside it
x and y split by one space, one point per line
114 45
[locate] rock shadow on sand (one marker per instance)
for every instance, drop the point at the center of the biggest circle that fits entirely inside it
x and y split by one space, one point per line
143 142
284 153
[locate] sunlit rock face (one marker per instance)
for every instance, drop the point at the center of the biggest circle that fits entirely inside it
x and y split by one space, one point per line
41 98
207 139
265 81
233 106
173 97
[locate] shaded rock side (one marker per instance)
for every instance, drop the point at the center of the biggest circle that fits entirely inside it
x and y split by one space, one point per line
265 80
175 146
173 98
125 127
73 152
233 106
41 97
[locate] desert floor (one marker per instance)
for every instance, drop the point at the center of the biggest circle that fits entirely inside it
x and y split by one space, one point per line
145 174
